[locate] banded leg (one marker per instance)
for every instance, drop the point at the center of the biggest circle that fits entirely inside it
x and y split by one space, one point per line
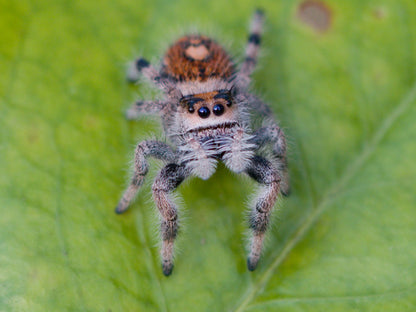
144 149
273 134
169 178
141 108
252 50
258 107
161 108
143 67
267 175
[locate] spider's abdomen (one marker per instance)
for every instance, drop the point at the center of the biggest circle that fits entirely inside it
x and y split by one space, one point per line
197 57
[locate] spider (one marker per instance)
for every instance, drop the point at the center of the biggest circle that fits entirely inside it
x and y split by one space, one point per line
208 114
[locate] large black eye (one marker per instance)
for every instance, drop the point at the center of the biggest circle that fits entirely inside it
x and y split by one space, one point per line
218 110
203 112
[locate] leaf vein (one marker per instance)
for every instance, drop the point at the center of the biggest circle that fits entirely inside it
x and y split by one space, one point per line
381 295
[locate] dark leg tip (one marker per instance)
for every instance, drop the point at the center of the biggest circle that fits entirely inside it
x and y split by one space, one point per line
286 193
260 11
167 269
251 265
130 79
119 209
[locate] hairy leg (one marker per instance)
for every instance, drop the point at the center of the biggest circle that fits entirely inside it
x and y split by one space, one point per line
270 133
252 50
142 108
267 175
169 178
258 107
144 149
273 134
143 67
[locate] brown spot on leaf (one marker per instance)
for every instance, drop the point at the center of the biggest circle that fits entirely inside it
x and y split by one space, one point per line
315 14
32 134
380 13
32 137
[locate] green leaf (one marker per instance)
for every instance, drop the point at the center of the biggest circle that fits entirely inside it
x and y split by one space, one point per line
345 91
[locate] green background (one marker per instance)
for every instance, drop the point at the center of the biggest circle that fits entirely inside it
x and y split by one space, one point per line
345 240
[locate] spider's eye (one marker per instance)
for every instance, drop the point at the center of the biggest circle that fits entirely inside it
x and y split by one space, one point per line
203 112
191 109
218 110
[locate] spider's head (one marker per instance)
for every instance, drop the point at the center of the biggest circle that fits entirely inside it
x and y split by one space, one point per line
205 110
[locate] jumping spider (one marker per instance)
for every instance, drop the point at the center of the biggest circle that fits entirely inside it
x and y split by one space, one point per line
207 114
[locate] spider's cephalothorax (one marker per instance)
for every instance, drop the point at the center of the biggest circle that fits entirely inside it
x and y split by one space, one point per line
207 115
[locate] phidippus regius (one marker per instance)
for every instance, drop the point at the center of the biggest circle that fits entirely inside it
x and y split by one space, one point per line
207 114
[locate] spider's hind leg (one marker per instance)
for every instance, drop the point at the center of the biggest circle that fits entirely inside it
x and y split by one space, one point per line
252 50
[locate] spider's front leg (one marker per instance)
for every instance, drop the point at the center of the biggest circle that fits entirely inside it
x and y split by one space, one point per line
144 149
169 178
263 171
273 134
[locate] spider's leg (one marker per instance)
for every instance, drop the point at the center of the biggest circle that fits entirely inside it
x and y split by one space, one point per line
142 67
267 175
146 148
273 134
258 107
169 178
142 108
252 50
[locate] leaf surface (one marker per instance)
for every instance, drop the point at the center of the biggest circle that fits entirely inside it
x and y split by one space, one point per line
346 95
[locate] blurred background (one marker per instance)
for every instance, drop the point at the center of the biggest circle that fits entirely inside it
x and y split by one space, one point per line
340 78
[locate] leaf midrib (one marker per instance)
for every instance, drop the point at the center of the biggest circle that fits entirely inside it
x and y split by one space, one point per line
351 170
